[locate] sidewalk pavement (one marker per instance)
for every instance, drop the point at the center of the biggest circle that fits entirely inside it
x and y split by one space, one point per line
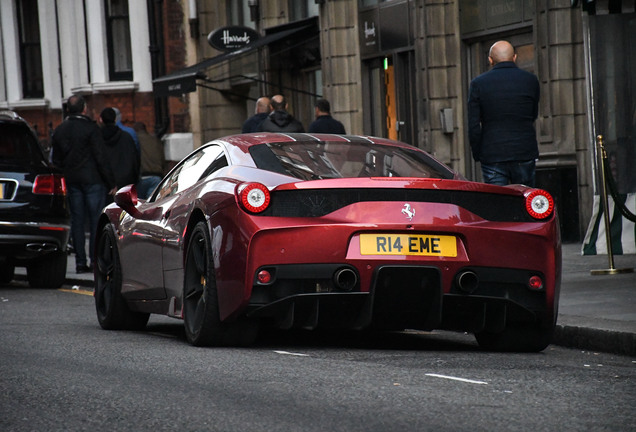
596 312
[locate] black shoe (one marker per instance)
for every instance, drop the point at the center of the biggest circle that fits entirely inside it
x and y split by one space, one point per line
83 269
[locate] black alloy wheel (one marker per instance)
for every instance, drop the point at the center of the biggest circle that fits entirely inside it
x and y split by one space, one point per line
203 326
112 311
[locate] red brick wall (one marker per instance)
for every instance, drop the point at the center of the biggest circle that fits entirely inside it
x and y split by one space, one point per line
134 106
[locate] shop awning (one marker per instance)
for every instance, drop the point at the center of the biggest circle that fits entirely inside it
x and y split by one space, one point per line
184 80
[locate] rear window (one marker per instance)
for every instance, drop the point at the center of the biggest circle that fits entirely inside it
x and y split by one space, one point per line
17 144
323 160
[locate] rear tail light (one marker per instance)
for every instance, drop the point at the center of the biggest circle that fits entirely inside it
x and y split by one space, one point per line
254 197
49 184
539 204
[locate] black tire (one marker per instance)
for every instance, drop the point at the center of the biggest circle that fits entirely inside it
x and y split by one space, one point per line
7 272
48 271
112 311
530 338
200 300
203 326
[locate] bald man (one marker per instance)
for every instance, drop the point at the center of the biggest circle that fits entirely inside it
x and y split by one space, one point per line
503 105
261 111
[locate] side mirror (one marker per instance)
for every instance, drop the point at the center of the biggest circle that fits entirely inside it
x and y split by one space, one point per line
126 199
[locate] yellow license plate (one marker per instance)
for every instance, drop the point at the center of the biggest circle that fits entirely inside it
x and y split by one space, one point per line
408 244
1 190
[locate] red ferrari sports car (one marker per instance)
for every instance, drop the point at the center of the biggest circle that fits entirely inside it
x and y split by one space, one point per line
329 231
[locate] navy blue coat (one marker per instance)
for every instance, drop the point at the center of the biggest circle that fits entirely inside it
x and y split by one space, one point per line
326 124
253 123
503 104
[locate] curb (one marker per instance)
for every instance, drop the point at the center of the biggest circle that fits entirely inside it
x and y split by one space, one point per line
585 338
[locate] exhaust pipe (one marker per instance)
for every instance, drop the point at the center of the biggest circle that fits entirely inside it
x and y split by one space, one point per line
467 281
41 247
345 279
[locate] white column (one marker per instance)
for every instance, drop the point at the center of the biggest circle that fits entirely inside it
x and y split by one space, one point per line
140 44
72 46
97 43
13 76
49 49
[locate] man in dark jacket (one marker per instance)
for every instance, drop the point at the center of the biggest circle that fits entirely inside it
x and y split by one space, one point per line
261 111
503 104
324 123
78 149
279 120
121 151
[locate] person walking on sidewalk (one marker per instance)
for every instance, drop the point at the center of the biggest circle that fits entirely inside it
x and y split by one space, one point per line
503 104
78 149
125 128
121 152
261 111
324 123
279 120
153 161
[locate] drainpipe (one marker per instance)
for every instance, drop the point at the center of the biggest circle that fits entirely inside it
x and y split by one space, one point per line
157 59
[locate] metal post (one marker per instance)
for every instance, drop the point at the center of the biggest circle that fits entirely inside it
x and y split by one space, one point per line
604 199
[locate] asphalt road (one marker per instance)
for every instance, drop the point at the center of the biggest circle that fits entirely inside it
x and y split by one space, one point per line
60 372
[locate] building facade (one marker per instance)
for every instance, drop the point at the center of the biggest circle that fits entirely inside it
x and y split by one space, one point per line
395 68
106 50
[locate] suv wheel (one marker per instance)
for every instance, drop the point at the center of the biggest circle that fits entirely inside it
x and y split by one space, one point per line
6 273
48 271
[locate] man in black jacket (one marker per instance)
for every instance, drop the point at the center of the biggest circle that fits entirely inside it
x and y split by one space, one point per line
503 104
324 123
279 120
121 151
78 149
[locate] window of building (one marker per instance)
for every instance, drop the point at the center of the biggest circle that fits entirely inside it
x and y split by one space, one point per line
118 40
239 13
301 9
30 49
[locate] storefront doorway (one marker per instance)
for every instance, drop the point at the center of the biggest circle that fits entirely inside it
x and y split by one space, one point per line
390 97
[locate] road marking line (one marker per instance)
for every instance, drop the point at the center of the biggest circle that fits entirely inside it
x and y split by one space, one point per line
76 291
456 379
291 354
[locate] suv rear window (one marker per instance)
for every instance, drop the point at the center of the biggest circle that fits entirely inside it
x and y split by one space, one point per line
17 144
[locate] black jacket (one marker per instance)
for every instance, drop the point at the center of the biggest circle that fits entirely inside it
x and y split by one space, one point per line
326 124
281 121
122 155
503 104
78 149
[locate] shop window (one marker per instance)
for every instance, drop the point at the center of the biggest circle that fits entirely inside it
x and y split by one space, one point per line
118 40
30 49
301 9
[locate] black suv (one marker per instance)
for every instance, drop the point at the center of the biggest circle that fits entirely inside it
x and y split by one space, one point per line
34 216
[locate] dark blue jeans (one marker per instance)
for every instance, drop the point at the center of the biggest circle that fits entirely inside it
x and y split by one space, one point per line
503 173
86 202
147 185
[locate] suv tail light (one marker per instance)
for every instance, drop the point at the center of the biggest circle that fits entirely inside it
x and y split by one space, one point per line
254 197
539 204
49 184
